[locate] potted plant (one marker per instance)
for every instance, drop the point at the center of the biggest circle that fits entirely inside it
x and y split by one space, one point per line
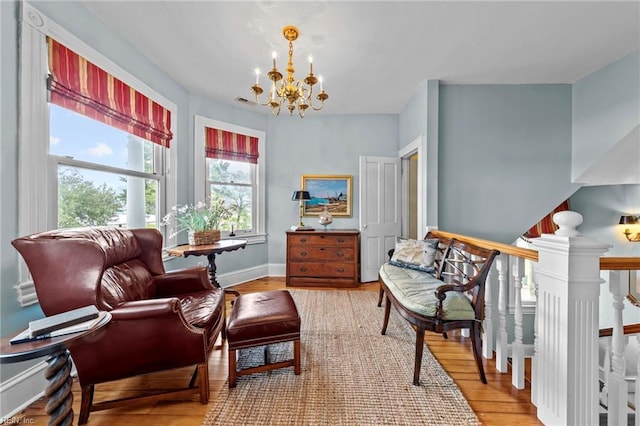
201 220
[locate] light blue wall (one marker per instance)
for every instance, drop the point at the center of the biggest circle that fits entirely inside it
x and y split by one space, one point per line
419 118
606 107
321 144
504 157
601 208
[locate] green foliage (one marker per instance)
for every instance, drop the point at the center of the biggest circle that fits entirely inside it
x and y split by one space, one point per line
81 203
228 186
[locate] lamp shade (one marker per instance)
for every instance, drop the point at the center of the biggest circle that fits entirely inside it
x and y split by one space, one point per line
300 195
628 220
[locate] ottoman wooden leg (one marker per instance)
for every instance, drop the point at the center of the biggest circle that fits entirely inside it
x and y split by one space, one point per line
296 356
232 368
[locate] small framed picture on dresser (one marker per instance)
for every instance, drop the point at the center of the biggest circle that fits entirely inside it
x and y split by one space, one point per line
328 192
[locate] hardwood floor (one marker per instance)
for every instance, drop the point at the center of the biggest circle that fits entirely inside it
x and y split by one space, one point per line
496 403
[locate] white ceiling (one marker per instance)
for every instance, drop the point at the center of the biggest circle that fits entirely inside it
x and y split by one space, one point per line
373 55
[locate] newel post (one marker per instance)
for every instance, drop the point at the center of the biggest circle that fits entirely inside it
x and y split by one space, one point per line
568 277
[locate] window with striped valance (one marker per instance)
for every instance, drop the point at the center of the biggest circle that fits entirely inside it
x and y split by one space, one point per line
87 89
546 224
225 145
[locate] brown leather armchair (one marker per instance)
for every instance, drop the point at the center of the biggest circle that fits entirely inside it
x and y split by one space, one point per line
160 320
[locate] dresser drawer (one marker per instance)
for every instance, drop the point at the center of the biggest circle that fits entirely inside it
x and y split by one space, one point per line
322 240
317 269
305 253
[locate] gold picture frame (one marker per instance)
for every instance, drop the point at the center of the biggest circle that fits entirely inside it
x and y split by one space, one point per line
333 191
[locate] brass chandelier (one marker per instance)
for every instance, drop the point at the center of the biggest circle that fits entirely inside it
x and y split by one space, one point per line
295 93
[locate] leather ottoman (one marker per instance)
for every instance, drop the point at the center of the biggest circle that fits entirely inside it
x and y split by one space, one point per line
260 319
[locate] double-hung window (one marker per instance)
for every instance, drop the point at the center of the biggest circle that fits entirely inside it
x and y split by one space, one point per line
106 142
229 167
94 140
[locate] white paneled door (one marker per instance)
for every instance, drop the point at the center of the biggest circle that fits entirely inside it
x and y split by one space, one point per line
380 212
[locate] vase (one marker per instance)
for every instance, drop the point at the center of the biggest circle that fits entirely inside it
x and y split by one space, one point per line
325 218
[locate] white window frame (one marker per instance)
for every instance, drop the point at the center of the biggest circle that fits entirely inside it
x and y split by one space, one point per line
200 172
37 180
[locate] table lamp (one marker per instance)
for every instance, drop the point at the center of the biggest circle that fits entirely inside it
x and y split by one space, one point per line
301 196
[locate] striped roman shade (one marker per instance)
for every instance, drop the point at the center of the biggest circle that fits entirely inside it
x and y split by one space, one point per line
226 145
87 89
546 225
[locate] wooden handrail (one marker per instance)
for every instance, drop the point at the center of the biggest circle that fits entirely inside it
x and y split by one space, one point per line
606 263
503 248
619 263
628 329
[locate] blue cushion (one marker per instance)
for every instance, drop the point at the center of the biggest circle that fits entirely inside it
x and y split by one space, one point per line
415 254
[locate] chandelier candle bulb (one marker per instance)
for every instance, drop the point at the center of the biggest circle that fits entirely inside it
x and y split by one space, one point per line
310 64
321 85
257 75
273 55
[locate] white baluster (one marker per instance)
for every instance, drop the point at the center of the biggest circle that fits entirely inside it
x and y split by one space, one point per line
617 386
606 367
534 360
637 391
517 348
502 350
487 325
467 270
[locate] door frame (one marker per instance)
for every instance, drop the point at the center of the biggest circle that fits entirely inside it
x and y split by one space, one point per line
405 153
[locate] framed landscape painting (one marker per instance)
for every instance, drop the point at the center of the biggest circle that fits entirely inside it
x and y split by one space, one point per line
332 191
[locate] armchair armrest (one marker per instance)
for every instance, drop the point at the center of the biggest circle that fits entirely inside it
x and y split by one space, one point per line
182 281
145 309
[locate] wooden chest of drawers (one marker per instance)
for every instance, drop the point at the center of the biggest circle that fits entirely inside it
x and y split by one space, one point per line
323 258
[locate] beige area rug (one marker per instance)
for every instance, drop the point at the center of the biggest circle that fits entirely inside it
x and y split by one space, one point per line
351 374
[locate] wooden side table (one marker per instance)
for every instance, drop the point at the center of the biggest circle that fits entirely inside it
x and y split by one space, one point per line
58 373
209 250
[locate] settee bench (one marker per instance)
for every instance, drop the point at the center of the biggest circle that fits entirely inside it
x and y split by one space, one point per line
450 296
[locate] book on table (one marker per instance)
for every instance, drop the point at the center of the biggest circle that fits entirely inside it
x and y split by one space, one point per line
62 320
28 336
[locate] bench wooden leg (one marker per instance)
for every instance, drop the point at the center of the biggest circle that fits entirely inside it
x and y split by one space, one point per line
418 361
232 368
477 348
380 295
387 311
296 357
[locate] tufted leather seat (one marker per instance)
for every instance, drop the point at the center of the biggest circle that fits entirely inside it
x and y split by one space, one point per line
160 320
263 318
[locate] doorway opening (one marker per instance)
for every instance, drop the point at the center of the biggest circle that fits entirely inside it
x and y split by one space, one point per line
412 189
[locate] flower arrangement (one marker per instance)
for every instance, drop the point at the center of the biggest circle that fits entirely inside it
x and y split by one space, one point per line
200 217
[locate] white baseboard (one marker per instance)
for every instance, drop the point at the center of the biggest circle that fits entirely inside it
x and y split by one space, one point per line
21 390
240 276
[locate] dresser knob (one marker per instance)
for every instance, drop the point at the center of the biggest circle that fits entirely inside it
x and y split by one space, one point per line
303 240
303 253
303 269
340 254
341 240
340 269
